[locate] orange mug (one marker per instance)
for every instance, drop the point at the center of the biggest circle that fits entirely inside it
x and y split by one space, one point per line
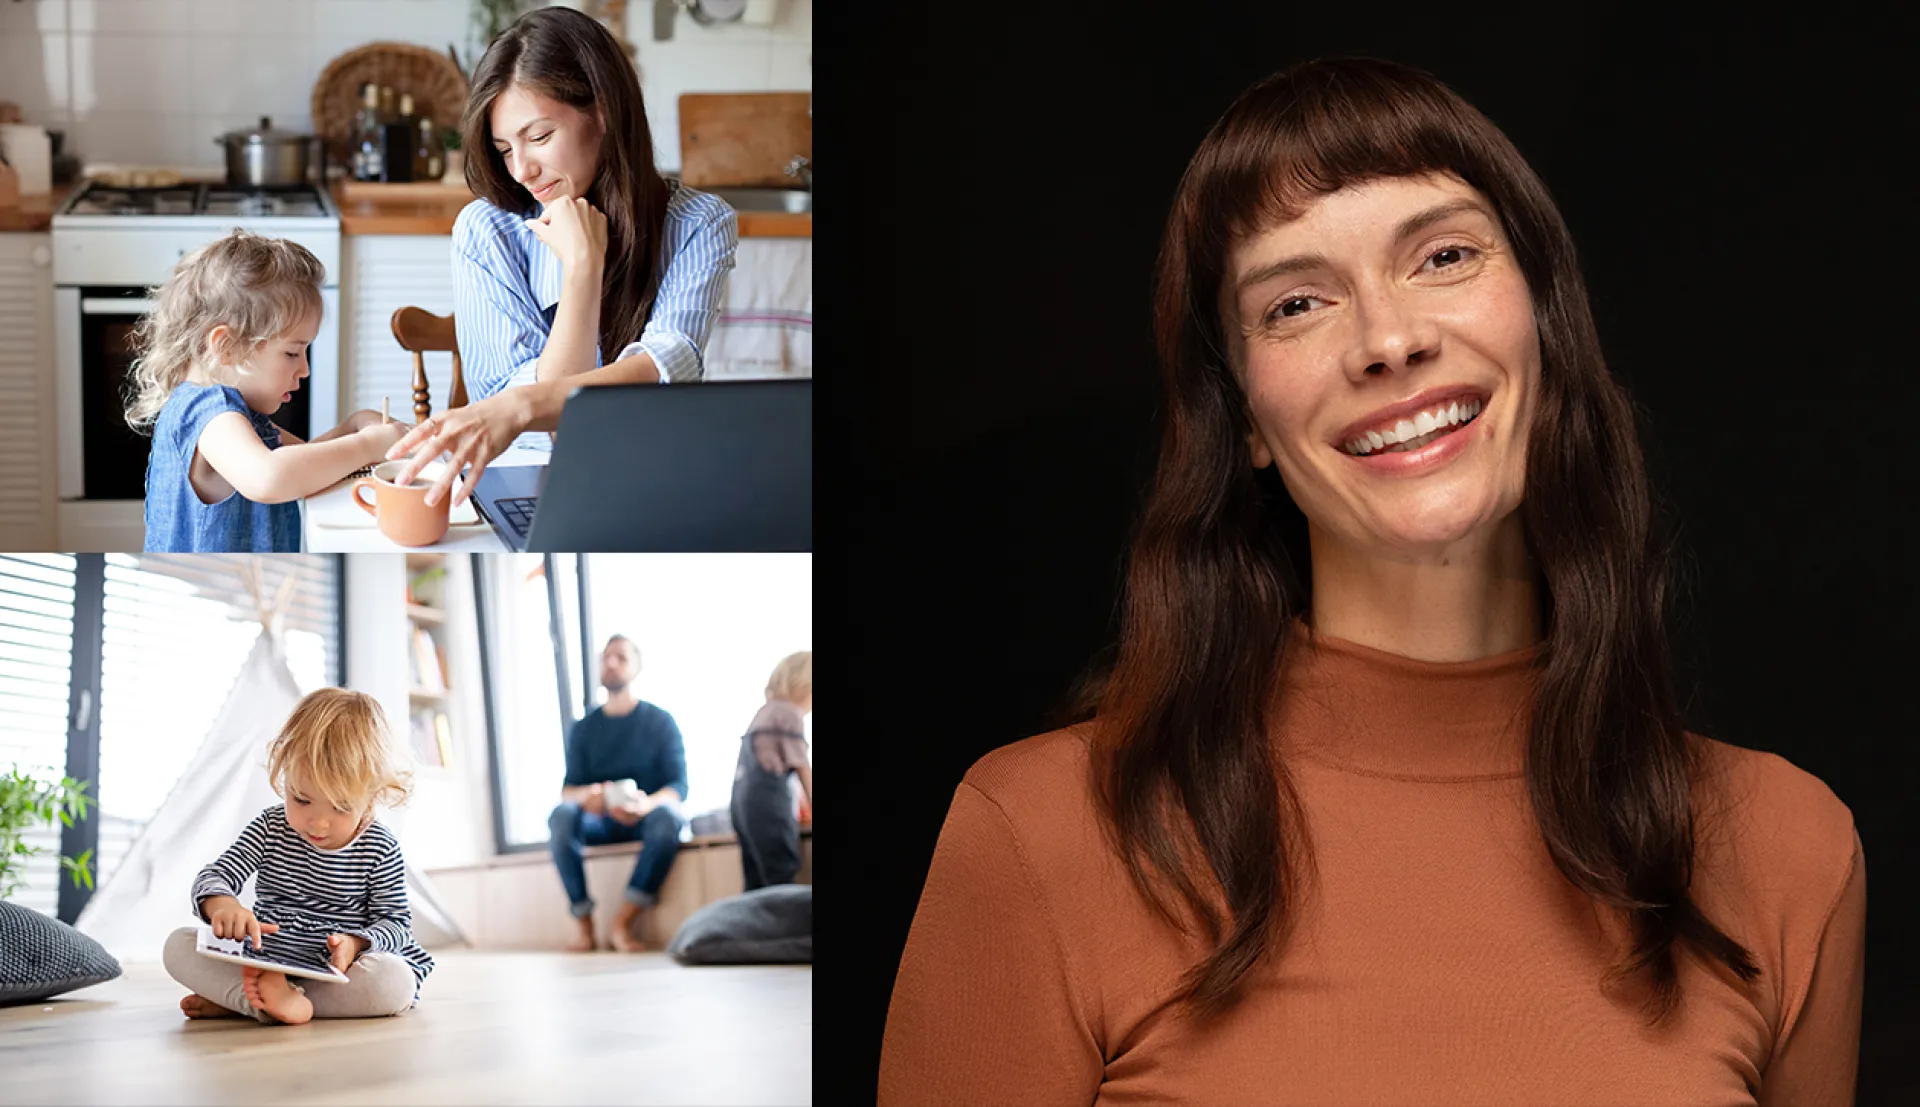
401 510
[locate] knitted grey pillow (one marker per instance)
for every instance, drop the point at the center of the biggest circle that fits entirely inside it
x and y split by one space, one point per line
41 956
772 925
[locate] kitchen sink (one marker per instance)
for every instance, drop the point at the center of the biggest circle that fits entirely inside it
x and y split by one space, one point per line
766 199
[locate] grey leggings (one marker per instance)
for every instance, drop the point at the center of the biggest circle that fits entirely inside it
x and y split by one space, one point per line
377 983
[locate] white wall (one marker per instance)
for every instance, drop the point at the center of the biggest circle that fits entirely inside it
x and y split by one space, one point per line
448 821
154 81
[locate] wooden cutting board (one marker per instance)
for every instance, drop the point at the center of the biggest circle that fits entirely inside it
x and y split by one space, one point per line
743 140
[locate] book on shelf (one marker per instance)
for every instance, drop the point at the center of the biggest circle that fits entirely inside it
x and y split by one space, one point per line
428 670
432 738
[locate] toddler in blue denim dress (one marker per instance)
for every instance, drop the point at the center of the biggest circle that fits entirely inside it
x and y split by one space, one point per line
223 348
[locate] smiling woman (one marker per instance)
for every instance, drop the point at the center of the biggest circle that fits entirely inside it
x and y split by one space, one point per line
1387 798
579 264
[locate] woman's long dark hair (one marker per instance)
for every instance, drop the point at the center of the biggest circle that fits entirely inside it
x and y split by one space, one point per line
569 56
1182 767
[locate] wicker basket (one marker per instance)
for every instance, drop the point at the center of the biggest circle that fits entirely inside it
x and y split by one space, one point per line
439 90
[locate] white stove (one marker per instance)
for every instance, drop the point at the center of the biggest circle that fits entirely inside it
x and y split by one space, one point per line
111 248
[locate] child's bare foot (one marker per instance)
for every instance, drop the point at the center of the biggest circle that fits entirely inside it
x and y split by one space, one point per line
197 1006
271 992
583 942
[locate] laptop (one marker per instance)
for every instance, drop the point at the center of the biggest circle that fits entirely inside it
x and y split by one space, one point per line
714 467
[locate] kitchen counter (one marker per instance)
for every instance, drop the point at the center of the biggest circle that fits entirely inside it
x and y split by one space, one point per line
434 213
35 213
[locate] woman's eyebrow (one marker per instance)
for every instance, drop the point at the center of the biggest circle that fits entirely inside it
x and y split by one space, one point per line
1414 224
1410 226
530 126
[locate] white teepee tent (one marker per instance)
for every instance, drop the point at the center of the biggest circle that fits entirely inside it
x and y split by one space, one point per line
222 788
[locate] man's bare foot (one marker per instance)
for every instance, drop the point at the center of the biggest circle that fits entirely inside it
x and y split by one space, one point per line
583 942
271 992
622 930
196 1006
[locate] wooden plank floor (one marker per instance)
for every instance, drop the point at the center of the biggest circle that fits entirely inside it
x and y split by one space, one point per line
600 1028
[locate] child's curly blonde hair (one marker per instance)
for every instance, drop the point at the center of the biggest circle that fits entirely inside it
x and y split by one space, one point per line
338 742
258 287
792 679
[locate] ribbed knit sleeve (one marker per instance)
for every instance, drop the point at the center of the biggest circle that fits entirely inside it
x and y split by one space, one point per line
1815 1058
983 1008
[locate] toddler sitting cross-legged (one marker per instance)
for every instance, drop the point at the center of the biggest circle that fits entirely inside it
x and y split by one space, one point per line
330 877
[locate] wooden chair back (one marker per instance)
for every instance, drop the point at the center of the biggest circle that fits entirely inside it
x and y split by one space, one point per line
420 332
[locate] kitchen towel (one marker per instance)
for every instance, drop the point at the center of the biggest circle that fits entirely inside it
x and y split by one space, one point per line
30 151
765 327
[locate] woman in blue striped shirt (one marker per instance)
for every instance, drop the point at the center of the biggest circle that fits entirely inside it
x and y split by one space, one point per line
576 248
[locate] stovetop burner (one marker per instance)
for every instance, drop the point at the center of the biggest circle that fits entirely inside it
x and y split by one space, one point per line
298 201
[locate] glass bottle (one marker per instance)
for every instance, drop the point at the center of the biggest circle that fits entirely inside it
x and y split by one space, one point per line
427 165
368 163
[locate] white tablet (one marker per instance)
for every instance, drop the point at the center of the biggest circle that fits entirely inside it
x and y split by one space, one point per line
293 956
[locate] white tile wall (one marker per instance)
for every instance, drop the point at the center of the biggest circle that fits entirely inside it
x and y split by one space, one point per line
35 15
155 81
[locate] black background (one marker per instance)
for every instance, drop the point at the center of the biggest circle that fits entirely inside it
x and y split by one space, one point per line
986 251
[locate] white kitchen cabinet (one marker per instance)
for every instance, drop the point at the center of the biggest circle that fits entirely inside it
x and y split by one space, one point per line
27 458
384 273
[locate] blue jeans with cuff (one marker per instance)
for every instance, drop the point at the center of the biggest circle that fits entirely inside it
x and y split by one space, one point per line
571 829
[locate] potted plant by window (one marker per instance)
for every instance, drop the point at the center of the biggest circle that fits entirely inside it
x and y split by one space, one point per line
456 172
41 956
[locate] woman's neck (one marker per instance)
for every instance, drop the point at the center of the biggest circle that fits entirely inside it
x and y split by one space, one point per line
1478 599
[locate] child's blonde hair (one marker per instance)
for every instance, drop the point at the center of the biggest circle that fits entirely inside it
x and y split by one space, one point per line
337 740
259 287
792 679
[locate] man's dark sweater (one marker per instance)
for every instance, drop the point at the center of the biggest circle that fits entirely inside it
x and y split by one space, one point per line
643 744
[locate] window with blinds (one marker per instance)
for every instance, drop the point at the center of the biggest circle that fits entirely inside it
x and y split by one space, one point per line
177 629
36 666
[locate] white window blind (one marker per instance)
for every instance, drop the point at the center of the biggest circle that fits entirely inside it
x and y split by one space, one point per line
176 631
36 665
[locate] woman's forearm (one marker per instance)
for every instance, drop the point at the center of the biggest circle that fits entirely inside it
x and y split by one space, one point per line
543 400
576 328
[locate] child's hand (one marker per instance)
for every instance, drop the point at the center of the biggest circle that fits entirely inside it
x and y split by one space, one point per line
343 948
381 437
367 417
231 920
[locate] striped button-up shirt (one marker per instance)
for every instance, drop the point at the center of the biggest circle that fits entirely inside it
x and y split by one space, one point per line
358 889
506 286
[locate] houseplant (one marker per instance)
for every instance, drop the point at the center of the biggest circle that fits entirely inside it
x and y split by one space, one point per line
25 803
40 956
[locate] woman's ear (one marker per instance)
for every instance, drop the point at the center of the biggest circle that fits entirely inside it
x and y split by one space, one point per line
1257 449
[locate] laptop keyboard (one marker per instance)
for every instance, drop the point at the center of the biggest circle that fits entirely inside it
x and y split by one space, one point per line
518 512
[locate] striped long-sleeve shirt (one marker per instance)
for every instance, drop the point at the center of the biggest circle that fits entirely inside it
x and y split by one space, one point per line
506 287
359 889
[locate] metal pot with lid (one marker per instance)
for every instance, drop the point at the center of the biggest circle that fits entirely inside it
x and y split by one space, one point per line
267 158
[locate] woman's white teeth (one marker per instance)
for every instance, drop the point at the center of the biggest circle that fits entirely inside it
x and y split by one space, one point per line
1409 434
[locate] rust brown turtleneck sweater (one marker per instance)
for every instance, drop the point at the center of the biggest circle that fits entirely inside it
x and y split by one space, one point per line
1439 957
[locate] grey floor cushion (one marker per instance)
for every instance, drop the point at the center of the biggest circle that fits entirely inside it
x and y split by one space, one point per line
766 926
42 956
